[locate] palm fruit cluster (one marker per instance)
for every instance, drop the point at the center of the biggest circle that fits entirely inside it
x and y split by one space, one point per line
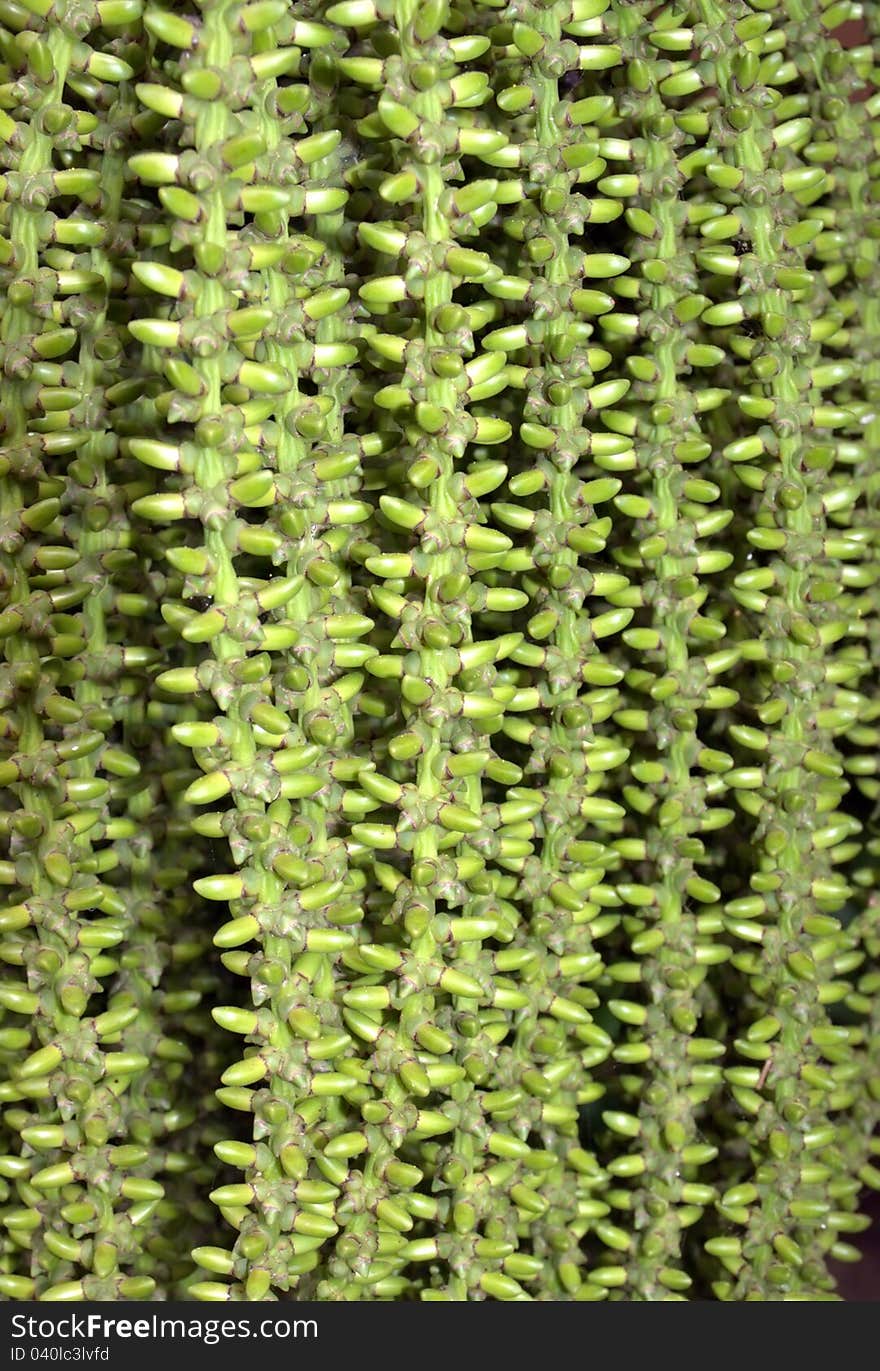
438 701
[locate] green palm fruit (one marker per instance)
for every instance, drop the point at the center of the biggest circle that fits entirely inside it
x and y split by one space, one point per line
98 1175
797 776
286 708
676 668
438 706
559 494
66 669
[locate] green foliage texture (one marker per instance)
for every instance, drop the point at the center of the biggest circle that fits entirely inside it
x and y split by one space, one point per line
439 629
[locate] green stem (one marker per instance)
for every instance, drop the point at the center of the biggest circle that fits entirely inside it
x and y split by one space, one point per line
791 857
